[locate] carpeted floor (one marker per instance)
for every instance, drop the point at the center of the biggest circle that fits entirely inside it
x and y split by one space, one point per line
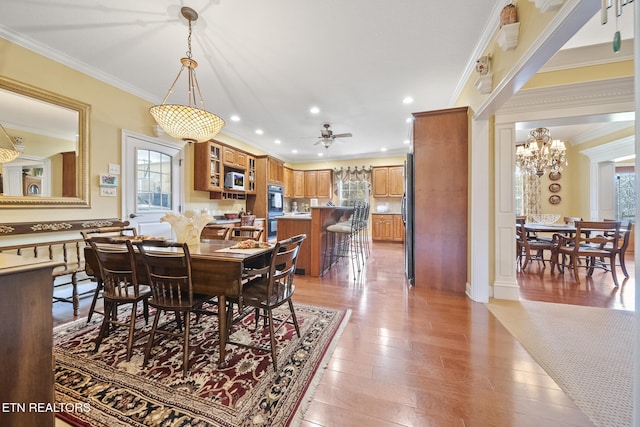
588 351
102 389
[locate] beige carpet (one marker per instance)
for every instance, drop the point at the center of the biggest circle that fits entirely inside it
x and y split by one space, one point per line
588 351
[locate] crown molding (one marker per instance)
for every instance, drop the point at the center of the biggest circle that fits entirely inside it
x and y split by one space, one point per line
70 62
587 56
613 150
600 132
594 97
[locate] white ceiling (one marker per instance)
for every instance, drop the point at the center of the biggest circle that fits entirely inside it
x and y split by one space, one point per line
270 61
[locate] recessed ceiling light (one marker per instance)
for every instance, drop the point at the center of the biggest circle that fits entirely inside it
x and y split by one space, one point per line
407 100
409 120
320 154
383 149
259 131
406 141
314 110
235 118
277 141
294 151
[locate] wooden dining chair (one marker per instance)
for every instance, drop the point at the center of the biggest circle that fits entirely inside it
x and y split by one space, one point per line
215 232
530 248
101 234
116 262
268 291
626 229
247 220
246 233
169 276
593 241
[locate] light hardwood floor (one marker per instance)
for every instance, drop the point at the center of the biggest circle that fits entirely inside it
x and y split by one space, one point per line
415 357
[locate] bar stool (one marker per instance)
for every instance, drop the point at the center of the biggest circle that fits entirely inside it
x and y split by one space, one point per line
343 240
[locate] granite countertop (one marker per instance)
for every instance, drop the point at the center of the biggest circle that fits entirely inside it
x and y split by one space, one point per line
387 213
304 215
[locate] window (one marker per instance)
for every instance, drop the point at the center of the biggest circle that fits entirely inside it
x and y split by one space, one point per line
351 191
625 194
154 181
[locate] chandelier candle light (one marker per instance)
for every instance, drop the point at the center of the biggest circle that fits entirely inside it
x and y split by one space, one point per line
541 153
187 122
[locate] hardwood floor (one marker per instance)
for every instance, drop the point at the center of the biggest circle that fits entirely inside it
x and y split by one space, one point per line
415 357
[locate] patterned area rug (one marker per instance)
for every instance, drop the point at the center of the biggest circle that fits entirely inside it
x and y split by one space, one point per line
108 391
588 351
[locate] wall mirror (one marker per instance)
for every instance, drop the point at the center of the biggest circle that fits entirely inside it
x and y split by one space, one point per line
52 133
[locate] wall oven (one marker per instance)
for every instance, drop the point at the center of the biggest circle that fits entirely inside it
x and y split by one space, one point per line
275 202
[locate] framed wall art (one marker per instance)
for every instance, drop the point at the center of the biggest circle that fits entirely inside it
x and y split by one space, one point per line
555 187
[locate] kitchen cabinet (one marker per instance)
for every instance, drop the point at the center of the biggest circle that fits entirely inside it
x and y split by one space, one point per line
288 182
382 227
250 176
441 199
234 158
207 166
398 228
275 171
298 184
310 184
317 184
324 184
388 181
387 227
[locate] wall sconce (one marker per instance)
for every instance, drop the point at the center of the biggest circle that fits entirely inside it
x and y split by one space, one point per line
483 68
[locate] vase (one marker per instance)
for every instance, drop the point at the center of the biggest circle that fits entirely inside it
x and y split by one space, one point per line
187 230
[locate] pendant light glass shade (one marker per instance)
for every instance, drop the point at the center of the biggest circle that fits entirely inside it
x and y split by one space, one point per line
187 122
8 150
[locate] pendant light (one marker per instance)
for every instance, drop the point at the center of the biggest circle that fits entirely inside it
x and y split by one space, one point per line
8 151
187 122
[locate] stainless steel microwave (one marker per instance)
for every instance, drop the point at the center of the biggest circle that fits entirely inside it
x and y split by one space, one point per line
234 181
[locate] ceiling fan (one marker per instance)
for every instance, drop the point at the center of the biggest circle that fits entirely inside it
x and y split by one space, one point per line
327 136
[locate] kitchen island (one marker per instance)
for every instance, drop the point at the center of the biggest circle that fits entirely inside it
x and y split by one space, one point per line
314 225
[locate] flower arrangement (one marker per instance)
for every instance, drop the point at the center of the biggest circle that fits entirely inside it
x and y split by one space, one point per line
187 230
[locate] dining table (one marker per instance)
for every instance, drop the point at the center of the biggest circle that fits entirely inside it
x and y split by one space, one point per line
216 270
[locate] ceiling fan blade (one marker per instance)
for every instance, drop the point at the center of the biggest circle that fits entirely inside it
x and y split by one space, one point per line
342 135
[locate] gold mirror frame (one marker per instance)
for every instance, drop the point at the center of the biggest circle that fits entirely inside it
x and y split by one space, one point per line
82 165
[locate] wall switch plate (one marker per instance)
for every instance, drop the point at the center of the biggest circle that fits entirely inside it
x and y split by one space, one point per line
114 169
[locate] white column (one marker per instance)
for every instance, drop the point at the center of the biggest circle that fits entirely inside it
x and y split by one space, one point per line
479 181
505 285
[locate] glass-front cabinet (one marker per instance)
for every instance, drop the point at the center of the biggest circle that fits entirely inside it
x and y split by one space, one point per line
251 175
207 166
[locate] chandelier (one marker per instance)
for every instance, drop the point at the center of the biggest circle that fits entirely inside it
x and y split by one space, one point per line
187 122
8 151
541 153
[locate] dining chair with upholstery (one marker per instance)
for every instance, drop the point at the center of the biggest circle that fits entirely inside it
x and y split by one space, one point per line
116 262
101 234
593 241
269 290
169 276
246 232
215 232
530 248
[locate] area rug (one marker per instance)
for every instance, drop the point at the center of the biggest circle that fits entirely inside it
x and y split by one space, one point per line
103 389
588 351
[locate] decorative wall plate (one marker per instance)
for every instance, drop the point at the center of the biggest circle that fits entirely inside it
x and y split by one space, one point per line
554 176
555 187
555 199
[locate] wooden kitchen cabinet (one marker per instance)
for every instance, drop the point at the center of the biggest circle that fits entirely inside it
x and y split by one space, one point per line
310 184
207 166
275 171
288 182
388 181
298 184
324 184
234 158
250 184
398 228
442 195
382 227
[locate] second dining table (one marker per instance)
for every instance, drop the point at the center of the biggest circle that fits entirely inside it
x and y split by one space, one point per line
216 270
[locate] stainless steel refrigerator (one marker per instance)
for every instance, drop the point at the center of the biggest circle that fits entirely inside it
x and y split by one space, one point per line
408 219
